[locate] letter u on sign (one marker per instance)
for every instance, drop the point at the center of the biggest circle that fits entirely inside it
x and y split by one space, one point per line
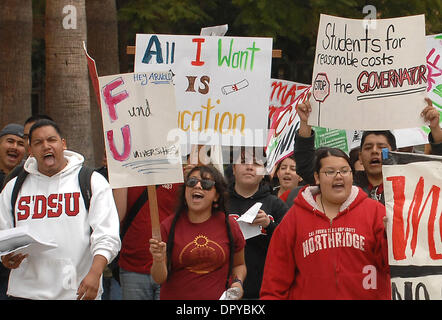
126 144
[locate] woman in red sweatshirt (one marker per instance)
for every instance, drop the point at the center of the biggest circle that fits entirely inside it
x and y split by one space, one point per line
332 243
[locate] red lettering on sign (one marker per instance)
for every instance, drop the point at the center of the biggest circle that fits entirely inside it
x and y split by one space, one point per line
401 228
197 62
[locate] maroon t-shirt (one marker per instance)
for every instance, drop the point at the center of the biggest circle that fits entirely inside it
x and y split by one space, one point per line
200 257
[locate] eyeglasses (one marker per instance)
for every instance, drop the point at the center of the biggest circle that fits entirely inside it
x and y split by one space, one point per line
344 171
206 184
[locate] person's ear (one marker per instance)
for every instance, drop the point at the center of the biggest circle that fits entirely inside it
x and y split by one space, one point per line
316 175
63 141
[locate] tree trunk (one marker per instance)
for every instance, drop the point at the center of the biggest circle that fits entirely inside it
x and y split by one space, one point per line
102 45
67 79
15 61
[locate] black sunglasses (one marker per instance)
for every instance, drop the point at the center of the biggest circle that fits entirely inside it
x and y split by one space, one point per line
206 184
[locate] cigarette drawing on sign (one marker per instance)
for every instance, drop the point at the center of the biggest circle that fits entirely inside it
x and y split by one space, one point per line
209 71
234 87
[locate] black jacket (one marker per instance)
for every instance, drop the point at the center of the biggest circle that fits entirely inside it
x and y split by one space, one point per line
256 247
304 153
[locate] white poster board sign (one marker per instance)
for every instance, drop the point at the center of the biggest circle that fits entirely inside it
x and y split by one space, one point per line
221 85
138 112
414 229
418 136
434 65
369 79
283 118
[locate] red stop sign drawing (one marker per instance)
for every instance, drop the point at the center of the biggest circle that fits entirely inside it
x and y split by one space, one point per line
321 87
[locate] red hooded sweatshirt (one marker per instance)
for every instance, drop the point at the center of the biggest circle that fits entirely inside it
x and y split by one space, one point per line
313 257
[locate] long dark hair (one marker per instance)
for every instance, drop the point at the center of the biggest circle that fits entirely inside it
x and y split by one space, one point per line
206 171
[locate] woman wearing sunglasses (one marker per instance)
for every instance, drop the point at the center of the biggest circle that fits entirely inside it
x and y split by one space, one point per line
332 243
204 254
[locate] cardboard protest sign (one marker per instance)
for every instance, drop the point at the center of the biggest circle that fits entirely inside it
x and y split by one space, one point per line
412 190
284 121
221 84
138 112
283 118
369 78
417 136
434 65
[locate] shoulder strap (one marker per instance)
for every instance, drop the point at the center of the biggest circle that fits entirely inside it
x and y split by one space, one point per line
17 186
130 216
84 179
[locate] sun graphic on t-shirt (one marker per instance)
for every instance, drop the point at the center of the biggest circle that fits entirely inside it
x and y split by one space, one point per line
201 241
202 255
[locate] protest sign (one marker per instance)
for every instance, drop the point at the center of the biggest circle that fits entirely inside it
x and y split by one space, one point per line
284 121
434 65
333 138
283 118
369 78
417 136
221 85
354 138
412 185
138 112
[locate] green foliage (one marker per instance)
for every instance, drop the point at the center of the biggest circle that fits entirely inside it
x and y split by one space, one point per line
170 16
292 24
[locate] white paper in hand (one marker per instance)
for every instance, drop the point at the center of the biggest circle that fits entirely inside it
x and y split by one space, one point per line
21 240
245 222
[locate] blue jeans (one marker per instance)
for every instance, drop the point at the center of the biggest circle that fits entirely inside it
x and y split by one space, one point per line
138 286
111 289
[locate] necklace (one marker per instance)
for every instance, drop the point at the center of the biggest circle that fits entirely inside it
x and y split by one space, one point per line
323 209
322 205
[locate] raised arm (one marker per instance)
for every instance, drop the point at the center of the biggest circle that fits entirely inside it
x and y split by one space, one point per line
304 150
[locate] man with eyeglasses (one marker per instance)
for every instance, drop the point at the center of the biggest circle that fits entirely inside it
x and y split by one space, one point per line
370 154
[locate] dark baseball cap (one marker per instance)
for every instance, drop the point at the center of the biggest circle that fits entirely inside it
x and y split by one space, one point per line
12 128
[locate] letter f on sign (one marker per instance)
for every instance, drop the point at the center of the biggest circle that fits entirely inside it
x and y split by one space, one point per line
111 100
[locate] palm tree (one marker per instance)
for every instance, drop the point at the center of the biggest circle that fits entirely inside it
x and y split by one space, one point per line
67 82
15 60
102 45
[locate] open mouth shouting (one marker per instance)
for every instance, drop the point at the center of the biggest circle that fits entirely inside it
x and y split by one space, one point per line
197 195
12 156
338 186
375 162
49 158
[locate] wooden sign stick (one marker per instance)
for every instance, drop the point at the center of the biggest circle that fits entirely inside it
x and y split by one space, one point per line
276 53
154 217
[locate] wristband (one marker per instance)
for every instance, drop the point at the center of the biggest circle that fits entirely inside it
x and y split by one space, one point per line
238 280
